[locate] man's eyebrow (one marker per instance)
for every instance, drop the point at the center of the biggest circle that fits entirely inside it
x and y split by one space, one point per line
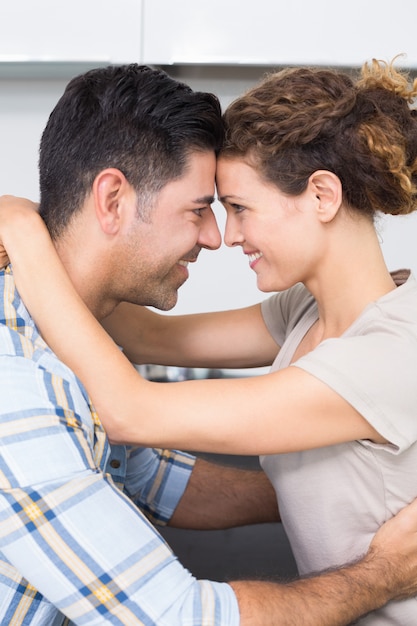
204 200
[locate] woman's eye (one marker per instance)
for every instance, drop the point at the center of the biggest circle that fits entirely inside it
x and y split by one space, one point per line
238 208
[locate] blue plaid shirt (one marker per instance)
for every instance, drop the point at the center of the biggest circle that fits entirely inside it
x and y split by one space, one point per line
73 541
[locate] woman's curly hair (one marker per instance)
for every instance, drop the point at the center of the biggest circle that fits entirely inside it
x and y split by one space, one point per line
300 120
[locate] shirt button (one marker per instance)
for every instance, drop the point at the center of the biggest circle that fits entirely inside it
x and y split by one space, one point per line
115 464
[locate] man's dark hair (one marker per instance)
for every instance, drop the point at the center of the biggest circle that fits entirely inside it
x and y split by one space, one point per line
131 117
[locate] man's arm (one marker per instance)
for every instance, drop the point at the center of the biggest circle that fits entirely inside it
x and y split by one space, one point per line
218 496
173 487
237 338
387 572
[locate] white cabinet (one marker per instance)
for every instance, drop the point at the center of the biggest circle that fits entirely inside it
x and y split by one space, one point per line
274 32
228 32
76 31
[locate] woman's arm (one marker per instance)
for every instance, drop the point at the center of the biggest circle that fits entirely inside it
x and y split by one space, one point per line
225 339
10 209
280 412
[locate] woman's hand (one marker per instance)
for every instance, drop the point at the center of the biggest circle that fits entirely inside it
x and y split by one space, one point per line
4 259
10 207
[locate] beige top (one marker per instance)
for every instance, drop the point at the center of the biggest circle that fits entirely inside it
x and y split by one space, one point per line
333 499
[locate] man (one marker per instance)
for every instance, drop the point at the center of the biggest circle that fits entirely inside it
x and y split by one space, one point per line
127 165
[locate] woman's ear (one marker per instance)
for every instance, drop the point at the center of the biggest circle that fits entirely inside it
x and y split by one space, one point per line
327 188
109 188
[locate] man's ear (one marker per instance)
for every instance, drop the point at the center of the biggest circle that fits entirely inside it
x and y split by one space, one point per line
109 189
327 189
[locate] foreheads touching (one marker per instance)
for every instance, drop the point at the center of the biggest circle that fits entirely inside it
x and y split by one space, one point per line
363 129
133 118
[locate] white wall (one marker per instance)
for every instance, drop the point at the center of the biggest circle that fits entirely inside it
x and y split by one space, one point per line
24 110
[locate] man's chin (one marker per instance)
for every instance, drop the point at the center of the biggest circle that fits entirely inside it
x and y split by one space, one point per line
167 303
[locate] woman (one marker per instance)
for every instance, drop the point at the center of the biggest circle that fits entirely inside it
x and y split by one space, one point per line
311 158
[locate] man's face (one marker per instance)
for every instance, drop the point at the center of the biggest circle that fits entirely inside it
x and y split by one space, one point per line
156 252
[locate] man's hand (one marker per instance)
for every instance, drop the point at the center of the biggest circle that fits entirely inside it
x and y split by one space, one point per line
395 544
335 598
8 205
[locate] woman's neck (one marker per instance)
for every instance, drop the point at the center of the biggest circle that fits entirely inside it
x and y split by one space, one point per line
353 275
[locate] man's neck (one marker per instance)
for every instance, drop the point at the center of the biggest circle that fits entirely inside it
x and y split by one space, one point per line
89 280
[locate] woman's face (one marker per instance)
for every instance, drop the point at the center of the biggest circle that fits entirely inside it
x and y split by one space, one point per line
280 234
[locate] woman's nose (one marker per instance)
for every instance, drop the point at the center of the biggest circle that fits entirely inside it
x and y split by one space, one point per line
232 233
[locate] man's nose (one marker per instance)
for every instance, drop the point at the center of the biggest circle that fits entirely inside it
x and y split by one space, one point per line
210 237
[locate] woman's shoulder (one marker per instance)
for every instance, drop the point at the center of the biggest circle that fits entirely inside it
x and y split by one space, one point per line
401 303
283 310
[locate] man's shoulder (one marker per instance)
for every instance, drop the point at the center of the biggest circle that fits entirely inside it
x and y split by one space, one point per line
19 336
13 313
22 349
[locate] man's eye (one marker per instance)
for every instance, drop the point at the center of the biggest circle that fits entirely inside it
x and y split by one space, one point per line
199 212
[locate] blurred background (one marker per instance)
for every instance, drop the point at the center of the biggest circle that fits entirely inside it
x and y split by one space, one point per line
223 46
